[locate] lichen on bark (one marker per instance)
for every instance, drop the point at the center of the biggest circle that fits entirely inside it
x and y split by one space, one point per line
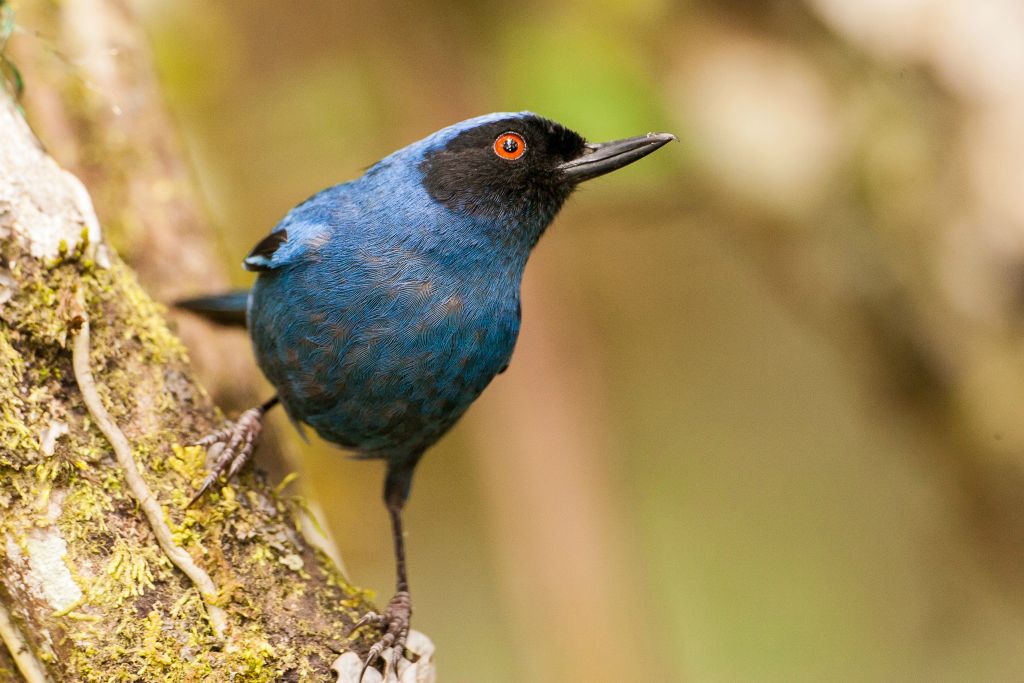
80 571
90 594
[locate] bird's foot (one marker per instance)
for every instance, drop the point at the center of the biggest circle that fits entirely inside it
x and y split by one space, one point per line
417 664
238 441
394 623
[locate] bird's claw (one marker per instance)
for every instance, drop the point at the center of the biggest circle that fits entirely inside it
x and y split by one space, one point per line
394 622
238 439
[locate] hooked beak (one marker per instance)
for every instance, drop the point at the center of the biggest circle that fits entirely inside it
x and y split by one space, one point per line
599 158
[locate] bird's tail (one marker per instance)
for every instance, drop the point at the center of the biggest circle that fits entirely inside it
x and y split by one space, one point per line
224 309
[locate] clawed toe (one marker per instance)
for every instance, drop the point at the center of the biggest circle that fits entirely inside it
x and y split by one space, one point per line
238 441
394 622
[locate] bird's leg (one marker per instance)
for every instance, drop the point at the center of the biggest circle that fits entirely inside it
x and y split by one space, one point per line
238 441
394 622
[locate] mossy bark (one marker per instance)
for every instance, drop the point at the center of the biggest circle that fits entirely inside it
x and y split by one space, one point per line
89 592
81 574
94 100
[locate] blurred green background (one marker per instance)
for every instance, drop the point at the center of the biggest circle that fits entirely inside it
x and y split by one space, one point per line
764 419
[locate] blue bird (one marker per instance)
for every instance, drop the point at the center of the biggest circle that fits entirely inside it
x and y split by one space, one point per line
385 305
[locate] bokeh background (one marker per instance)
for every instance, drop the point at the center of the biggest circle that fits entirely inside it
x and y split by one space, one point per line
764 422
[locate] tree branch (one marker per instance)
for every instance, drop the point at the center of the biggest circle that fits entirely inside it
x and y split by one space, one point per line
82 576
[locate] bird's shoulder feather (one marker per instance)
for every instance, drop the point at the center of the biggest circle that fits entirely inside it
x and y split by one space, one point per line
303 230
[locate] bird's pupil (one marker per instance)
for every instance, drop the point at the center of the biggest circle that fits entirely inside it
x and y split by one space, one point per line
510 145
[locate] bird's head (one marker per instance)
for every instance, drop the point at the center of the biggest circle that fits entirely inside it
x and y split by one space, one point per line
518 169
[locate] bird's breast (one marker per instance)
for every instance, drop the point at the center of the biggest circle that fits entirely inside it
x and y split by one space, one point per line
387 361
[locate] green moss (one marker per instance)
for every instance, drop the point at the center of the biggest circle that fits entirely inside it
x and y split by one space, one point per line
138 618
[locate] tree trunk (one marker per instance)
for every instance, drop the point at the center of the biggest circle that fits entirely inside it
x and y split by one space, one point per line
104 575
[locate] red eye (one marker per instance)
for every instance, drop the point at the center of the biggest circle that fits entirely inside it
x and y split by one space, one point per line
510 146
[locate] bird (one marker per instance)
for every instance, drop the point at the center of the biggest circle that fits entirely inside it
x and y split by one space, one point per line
384 306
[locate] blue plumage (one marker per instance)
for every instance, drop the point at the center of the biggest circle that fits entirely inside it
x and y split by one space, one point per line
385 305
384 314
